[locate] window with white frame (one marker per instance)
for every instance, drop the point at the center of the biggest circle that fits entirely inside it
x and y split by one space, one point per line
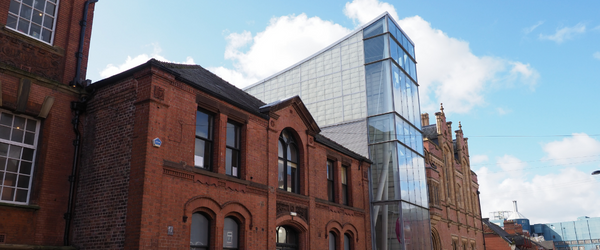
36 18
18 141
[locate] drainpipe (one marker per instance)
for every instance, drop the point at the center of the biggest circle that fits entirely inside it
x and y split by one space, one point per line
79 55
77 107
481 220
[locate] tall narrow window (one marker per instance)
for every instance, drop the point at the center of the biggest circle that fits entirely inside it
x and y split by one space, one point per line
230 234
18 141
288 163
330 182
232 166
204 137
347 242
345 185
332 241
35 18
199 233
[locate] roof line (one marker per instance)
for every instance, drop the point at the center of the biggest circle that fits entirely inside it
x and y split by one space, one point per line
320 51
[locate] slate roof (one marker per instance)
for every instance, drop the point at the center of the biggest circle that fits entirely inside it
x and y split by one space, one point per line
204 80
497 229
216 86
430 132
334 145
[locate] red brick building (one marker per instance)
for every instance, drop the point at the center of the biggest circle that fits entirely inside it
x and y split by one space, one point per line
453 189
510 238
174 157
43 51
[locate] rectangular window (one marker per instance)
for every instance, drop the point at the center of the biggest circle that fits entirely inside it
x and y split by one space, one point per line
204 140
232 166
18 141
330 182
344 185
35 18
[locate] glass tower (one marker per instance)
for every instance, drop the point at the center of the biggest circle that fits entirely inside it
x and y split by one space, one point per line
363 93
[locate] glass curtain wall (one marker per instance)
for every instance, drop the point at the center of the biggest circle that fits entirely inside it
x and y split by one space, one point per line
400 212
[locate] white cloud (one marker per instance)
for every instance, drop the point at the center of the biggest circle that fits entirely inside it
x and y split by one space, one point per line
597 55
363 11
543 198
564 33
130 62
533 27
502 111
285 41
479 159
578 149
524 73
450 73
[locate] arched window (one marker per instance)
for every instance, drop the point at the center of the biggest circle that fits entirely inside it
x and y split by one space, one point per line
199 233
287 238
230 234
288 163
332 241
347 242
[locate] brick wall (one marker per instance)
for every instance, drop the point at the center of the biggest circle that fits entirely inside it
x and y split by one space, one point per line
102 196
131 193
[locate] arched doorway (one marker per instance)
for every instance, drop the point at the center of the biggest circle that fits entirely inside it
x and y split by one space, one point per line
287 238
435 240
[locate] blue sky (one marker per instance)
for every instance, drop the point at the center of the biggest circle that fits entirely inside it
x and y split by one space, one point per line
521 76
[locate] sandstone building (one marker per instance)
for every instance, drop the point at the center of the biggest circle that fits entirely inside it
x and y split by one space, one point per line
453 188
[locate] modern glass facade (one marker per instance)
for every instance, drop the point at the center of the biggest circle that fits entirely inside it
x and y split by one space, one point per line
369 77
398 182
582 234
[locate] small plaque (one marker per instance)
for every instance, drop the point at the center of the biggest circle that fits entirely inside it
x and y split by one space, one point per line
170 230
156 142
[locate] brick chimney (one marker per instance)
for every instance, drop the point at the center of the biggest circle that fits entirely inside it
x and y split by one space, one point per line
509 227
424 119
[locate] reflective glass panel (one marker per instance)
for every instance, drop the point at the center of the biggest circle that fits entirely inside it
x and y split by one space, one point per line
376 28
388 226
379 88
384 172
381 128
376 48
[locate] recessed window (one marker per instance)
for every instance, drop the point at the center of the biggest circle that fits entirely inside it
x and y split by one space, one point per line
330 182
332 241
344 185
199 233
230 234
204 140
288 163
232 166
35 18
18 141
347 242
